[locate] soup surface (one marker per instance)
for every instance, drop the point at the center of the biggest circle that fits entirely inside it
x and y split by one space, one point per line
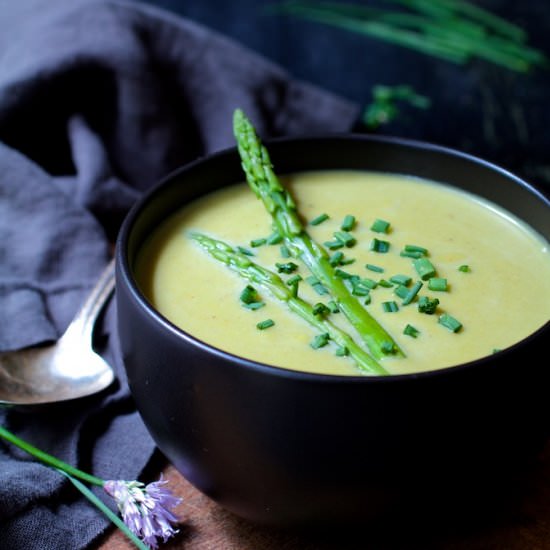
502 298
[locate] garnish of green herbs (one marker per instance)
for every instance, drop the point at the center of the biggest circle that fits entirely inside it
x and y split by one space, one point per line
375 268
415 248
320 341
427 305
464 268
409 330
266 323
411 294
334 245
456 31
424 268
319 219
288 267
250 298
280 205
400 279
258 242
272 283
438 284
245 251
146 510
449 322
383 108
274 238
390 306
349 223
378 245
380 226
345 237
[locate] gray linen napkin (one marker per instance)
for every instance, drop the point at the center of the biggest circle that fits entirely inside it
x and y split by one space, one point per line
98 100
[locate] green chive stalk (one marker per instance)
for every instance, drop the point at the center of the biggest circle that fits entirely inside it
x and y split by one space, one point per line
73 475
270 281
454 30
278 202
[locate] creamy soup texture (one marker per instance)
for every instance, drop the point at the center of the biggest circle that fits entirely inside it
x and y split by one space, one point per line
503 298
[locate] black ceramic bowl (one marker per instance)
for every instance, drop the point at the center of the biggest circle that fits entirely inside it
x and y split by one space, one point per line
284 447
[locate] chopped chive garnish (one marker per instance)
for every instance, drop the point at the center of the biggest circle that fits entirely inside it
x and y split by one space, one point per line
341 274
406 254
360 289
424 268
402 291
384 283
367 299
285 252
320 309
274 238
319 219
245 251
369 283
415 248
258 242
390 307
347 238
413 291
400 279
496 350
380 226
464 268
347 261
388 347
333 306
342 351
427 305
288 267
316 285
249 294
409 330
378 245
449 322
334 245
348 224
376 268
295 279
438 284
266 323
254 305
320 340
336 258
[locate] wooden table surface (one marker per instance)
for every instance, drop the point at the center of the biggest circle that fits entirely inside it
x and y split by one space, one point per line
522 524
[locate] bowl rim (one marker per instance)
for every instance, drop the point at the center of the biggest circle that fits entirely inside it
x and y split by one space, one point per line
124 271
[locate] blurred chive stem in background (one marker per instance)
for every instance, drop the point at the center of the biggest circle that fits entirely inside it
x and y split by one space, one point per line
454 30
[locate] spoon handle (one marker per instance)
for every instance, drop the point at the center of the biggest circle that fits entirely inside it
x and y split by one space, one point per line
84 321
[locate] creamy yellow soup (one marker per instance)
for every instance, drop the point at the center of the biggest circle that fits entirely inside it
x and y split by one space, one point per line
503 297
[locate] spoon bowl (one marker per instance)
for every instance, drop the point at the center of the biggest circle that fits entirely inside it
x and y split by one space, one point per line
65 370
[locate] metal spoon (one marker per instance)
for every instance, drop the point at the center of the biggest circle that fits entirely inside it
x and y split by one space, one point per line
66 369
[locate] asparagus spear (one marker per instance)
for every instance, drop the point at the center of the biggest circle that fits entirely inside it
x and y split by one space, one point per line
280 205
245 267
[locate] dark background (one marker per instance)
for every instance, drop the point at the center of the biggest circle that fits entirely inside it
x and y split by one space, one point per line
479 108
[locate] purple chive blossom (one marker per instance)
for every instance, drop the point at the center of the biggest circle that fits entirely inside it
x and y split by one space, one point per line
146 510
